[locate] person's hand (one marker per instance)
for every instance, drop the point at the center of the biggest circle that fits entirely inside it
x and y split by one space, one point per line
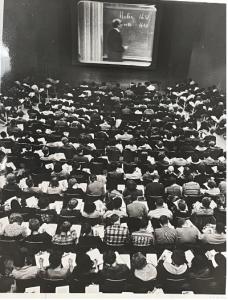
41 261
125 47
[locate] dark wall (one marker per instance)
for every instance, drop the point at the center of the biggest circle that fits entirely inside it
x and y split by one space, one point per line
38 34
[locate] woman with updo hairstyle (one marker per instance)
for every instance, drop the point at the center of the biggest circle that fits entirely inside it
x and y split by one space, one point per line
35 235
14 230
143 274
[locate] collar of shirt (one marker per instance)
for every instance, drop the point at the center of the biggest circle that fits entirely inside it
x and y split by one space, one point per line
117 29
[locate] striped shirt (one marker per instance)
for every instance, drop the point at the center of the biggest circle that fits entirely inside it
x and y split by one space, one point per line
116 235
191 189
142 238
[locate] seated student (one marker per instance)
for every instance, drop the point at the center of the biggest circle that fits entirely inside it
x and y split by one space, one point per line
95 187
133 172
67 236
74 189
216 237
8 285
201 177
165 235
11 185
173 188
213 190
31 188
219 273
70 210
116 234
79 157
190 188
86 271
176 270
116 204
142 237
220 210
14 230
115 172
23 271
54 187
59 172
180 211
35 235
160 210
136 209
78 174
143 273
131 189
88 240
55 270
185 233
90 211
113 270
44 213
204 209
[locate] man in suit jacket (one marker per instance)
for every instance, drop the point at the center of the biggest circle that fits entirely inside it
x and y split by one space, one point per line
114 42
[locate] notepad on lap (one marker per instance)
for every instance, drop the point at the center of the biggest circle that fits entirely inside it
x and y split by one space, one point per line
95 255
33 290
4 221
152 258
98 230
126 259
92 289
45 256
77 228
66 257
32 202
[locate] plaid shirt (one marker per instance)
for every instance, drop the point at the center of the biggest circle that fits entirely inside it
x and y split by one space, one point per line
120 271
142 238
116 235
69 239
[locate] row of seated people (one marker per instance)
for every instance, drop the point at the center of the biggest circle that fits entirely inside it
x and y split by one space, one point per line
188 274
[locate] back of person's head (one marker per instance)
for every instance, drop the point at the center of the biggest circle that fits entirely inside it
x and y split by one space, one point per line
195 157
199 262
72 203
3 134
43 202
45 150
84 263
206 201
181 222
155 177
172 180
131 185
93 177
161 156
76 165
89 208
202 143
54 182
34 224
15 206
220 227
15 218
139 261
187 171
7 285
109 257
86 228
29 183
201 169
159 202
211 184
117 203
11 178
182 205
143 223
178 257
211 144
72 182
116 23
163 220
220 260
65 227
189 178
55 259
114 218
13 122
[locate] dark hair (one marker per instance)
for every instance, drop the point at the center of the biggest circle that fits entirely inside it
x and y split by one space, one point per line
15 206
86 228
206 201
29 183
84 263
159 201
43 202
109 257
72 203
220 227
93 177
117 202
54 182
181 205
19 261
3 134
163 220
65 227
89 208
131 185
6 283
143 223
199 262
58 167
190 178
55 259
211 184
114 218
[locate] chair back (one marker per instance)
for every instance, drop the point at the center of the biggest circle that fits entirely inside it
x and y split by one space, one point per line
23 284
49 285
10 247
34 247
92 221
113 155
133 224
96 168
201 221
76 286
93 198
37 178
114 286
201 285
70 219
174 286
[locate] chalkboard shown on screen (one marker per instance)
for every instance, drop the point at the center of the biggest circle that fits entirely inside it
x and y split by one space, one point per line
138 28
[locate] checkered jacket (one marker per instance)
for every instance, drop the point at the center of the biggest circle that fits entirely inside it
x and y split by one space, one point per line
116 235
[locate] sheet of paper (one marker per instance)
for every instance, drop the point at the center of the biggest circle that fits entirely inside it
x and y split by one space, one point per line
2 181
45 256
215 169
66 257
77 228
213 204
58 206
11 165
67 168
21 126
63 184
119 259
22 184
95 255
49 166
33 290
140 187
121 187
99 205
44 185
127 260
189 256
98 230
26 224
83 186
4 221
49 228
59 156
62 289
39 152
152 258
197 205
79 206
32 202
92 289
166 255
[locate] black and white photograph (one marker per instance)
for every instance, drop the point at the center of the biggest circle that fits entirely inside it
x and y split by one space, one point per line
113 149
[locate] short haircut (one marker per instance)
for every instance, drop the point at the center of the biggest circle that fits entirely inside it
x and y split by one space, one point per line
211 184
220 227
163 220
93 177
114 218
86 228
181 222
34 224
19 261
43 202
72 203
29 183
89 207
117 202
206 201
6 283
3 134
65 227
55 259
54 182
181 205
143 223
159 201
15 217
109 257
190 178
